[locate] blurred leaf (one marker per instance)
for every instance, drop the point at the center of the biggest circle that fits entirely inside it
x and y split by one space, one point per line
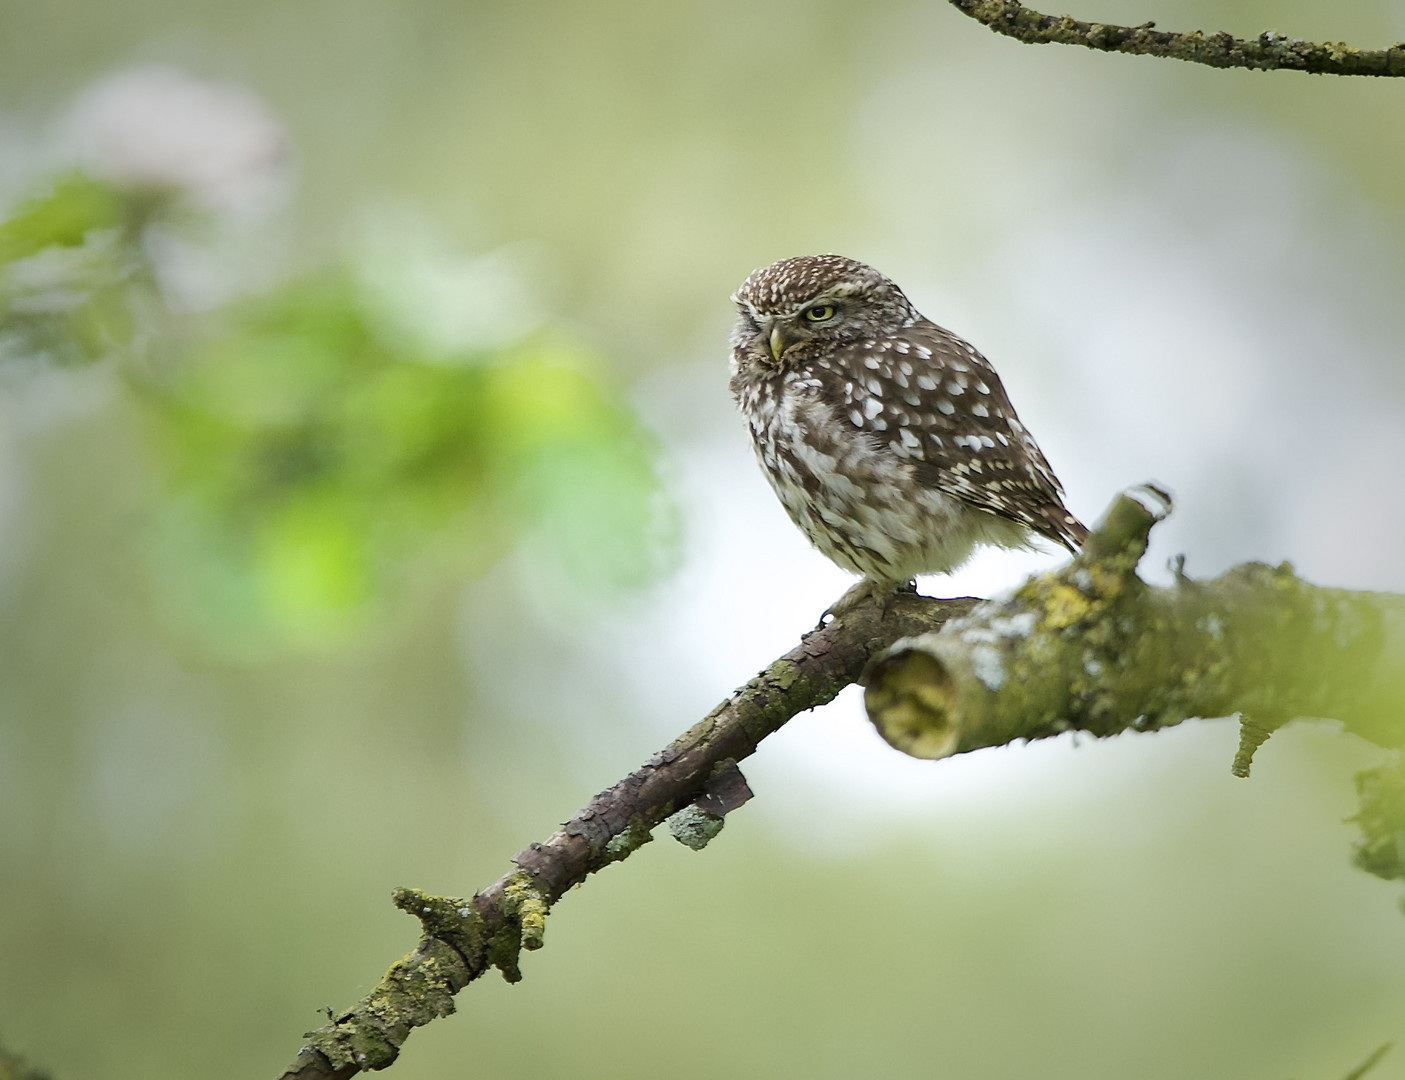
74 207
323 463
74 287
322 466
581 471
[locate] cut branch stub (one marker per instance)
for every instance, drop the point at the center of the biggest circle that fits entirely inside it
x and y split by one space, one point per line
975 683
1126 525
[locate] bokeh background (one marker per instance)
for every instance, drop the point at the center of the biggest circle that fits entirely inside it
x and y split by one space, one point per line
370 497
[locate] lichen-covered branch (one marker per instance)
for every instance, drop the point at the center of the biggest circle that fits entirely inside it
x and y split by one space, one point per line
1093 648
694 781
1090 647
1268 51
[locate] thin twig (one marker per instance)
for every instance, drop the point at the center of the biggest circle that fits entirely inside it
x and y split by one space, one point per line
1269 51
1370 1063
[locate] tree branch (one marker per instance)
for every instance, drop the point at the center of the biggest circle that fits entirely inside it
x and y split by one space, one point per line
1089 647
1267 52
1092 647
696 775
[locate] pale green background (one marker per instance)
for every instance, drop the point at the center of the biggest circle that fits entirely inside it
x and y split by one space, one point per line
1183 273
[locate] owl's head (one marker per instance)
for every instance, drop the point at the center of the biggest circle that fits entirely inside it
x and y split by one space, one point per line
796 303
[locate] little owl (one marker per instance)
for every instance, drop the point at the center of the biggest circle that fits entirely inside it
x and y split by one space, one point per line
889 440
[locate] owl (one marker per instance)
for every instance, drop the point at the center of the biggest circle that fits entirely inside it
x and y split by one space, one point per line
889 440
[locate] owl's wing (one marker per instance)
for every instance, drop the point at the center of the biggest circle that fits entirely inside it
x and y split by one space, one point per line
939 404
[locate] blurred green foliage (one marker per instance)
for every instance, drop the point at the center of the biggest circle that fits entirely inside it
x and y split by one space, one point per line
321 462
324 462
70 278
62 217
196 853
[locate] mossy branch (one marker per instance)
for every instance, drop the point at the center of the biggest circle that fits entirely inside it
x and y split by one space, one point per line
1090 647
463 939
1267 52
1093 648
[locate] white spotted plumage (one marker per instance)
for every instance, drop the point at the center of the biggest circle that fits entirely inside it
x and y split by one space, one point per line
889 440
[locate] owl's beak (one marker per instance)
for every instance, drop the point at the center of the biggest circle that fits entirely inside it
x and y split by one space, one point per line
780 341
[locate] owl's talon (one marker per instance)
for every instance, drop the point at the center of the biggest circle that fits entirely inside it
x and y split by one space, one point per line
863 592
892 595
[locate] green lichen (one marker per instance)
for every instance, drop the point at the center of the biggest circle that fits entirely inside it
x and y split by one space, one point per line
623 844
353 1040
446 918
1251 736
1381 818
458 924
529 906
504 951
695 827
526 908
1065 606
417 989
783 674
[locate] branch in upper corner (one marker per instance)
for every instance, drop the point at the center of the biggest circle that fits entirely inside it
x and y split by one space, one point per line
1268 52
1093 648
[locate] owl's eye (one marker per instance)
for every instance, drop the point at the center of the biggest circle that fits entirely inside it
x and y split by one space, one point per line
819 313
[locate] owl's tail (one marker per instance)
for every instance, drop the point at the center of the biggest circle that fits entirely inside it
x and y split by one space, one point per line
1062 527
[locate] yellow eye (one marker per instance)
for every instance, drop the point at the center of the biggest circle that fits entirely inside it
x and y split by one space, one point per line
819 313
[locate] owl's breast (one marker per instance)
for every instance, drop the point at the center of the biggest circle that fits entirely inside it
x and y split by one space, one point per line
800 439
855 500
